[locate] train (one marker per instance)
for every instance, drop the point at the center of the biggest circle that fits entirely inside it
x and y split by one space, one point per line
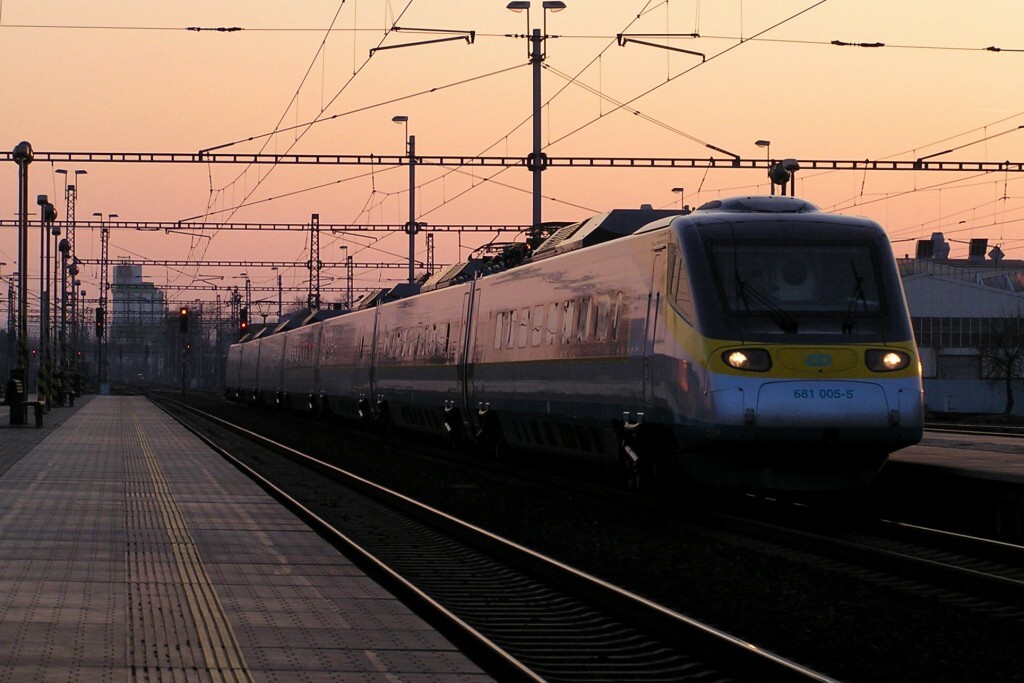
755 342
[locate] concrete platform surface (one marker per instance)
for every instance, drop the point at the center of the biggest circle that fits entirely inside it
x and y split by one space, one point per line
130 551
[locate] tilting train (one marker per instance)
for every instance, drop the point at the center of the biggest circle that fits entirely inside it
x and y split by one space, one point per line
754 342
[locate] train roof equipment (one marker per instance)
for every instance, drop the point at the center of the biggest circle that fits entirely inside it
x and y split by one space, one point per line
603 227
759 204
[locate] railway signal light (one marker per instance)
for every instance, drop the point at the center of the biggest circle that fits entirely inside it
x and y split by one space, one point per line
99 321
243 319
183 319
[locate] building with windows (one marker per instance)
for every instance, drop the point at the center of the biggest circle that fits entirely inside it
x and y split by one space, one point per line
956 306
137 327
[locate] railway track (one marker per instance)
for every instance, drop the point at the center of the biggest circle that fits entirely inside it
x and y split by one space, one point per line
521 614
831 592
961 565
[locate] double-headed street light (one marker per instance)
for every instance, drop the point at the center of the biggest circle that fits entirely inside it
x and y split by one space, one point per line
411 225
536 162
22 156
47 218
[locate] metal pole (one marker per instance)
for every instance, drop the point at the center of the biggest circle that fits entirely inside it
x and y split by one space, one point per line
23 157
53 333
279 297
64 248
349 277
412 207
42 381
536 57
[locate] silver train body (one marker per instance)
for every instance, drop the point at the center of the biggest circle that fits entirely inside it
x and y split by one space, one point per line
755 342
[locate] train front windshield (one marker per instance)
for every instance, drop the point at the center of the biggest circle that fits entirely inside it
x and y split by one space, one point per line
783 281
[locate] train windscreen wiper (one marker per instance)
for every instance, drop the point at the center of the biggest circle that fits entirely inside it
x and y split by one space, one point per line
784 320
858 295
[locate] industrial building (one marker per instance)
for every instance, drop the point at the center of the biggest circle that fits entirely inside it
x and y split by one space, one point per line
955 303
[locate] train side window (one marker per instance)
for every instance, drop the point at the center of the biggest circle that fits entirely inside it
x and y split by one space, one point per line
447 336
679 283
513 323
499 323
524 328
673 267
585 314
604 305
568 321
615 316
538 325
551 323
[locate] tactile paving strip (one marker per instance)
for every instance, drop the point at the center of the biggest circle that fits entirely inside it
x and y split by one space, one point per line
176 621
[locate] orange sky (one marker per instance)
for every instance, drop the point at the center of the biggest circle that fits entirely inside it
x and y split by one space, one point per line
128 76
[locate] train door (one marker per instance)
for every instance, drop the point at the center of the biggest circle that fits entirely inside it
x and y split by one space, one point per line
654 302
371 392
470 308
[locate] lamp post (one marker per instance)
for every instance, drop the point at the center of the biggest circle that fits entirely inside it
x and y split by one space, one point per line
44 387
348 278
279 292
73 271
767 144
64 247
411 225
537 161
23 157
681 191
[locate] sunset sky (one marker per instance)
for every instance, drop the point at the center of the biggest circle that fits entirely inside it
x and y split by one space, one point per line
129 76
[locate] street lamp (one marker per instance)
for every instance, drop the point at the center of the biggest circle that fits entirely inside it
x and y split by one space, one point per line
22 156
681 191
279 292
348 278
410 227
537 161
47 215
767 144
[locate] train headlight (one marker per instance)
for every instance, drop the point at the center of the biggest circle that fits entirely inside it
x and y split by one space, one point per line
886 360
752 360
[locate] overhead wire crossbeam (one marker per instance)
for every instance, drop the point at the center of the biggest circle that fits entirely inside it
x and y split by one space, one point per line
175 226
508 161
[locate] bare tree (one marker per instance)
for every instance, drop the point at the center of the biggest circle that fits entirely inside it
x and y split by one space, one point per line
1002 353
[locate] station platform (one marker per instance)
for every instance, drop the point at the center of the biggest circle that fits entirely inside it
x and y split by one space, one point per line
130 551
977 456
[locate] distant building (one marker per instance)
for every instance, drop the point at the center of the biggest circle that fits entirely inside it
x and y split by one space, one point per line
135 301
138 342
952 301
